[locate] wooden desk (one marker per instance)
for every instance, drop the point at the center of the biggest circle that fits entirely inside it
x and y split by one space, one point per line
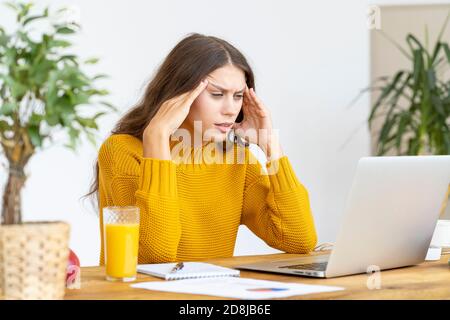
429 280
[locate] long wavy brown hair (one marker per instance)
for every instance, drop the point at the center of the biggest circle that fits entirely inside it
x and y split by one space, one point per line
190 61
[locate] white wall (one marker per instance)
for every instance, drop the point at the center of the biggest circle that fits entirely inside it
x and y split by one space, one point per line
310 60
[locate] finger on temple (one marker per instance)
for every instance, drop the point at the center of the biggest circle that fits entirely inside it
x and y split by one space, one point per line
195 93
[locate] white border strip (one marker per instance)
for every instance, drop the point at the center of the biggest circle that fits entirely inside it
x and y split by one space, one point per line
406 2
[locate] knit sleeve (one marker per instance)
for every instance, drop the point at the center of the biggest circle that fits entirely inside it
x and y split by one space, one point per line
126 178
276 206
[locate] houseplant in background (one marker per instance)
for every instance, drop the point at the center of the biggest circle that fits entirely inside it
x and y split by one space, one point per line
414 104
43 91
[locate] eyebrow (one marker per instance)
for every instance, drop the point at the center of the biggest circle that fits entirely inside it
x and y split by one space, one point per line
223 89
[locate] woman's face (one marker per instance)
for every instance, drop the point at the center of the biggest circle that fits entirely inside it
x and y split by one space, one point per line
218 106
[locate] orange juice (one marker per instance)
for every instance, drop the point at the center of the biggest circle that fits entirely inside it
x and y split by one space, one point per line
122 242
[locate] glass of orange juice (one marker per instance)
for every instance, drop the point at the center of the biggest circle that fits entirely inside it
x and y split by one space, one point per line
121 240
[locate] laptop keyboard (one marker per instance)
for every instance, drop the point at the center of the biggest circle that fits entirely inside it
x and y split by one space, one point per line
319 266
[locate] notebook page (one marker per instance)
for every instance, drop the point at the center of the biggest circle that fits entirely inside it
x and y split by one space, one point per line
190 270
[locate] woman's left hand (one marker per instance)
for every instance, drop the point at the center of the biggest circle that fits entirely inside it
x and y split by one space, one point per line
256 127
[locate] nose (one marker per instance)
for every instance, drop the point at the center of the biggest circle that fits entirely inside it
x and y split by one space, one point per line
231 106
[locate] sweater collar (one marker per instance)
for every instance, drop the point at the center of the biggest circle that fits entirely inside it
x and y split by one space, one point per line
206 154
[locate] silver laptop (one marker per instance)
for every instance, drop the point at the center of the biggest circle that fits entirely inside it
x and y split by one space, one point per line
388 222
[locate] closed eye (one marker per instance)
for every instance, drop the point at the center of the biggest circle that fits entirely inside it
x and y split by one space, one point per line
220 95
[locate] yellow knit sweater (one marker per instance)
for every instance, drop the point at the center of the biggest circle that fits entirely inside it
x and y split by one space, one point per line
192 211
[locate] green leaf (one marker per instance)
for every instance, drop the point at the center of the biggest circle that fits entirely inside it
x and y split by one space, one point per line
100 76
386 130
413 146
4 39
97 115
79 98
4 126
97 92
399 47
444 25
17 89
446 135
52 119
437 105
91 137
109 105
63 9
399 91
33 18
417 68
65 30
69 57
73 136
447 51
35 119
436 51
12 6
67 118
431 77
64 104
59 44
35 137
40 72
25 8
7 108
73 77
91 61
87 122
412 40
386 91
404 120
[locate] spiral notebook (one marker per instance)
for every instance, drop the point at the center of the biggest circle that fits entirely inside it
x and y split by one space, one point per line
190 270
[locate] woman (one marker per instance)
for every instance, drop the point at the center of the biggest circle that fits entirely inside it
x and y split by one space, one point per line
192 209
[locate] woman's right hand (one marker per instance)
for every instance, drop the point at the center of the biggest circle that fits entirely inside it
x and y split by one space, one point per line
169 117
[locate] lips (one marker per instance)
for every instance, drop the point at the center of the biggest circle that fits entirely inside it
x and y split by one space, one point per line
224 126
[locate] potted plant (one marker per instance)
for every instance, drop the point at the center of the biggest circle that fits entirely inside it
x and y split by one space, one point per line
43 90
414 103
422 127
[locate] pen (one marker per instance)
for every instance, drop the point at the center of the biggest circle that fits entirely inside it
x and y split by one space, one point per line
177 267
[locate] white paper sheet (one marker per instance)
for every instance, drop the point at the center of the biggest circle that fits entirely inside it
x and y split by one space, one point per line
433 254
234 287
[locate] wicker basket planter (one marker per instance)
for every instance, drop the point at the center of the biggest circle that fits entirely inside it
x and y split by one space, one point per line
33 260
